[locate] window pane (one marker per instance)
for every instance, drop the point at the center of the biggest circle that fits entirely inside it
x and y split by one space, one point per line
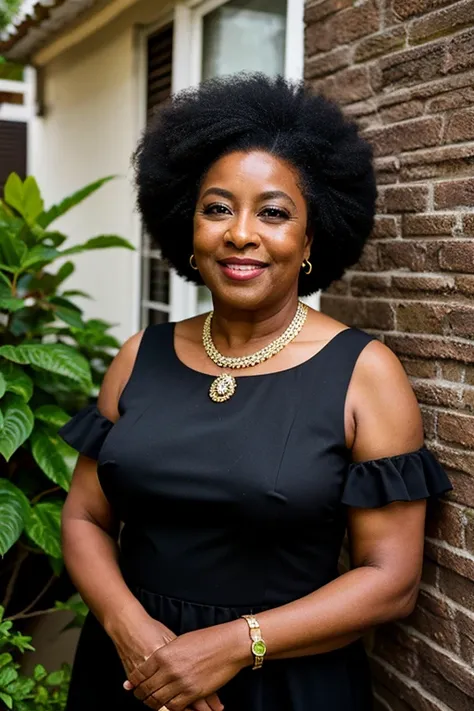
159 281
245 35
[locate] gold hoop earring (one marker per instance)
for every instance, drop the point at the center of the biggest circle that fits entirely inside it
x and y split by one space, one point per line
307 267
192 262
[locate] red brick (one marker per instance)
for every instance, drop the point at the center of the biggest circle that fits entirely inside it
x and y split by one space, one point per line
360 313
460 55
460 126
465 626
314 12
420 369
349 85
429 574
370 285
422 318
461 322
409 284
402 255
454 193
385 228
439 394
465 285
355 22
413 66
384 699
433 617
390 646
406 136
402 112
468 225
451 524
449 100
318 38
426 347
369 261
428 225
469 375
442 22
462 461
452 371
402 689
469 530
468 399
455 428
463 491
438 163
380 43
429 422
461 564
406 198
324 64
339 288
456 587
403 9
457 256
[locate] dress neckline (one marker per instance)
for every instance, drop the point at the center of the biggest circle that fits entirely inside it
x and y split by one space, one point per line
311 359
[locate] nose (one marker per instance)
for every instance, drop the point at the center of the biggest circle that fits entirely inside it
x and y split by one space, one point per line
242 232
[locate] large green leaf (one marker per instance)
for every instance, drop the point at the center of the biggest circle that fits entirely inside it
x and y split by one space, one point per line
17 425
52 415
44 527
38 255
8 302
53 357
64 272
3 385
61 208
24 197
12 251
14 511
101 242
17 381
56 459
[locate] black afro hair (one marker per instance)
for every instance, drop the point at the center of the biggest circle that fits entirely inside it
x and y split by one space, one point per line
246 112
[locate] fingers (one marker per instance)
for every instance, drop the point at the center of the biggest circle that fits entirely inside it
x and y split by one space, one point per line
212 703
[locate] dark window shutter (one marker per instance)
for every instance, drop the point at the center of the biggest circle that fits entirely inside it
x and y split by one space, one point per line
155 271
160 54
12 150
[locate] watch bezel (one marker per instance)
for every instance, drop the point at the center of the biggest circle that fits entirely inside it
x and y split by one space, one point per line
262 643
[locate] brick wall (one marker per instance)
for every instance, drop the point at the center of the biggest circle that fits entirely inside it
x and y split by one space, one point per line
405 70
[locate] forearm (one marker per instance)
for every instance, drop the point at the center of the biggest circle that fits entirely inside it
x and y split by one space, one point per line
331 617
91 557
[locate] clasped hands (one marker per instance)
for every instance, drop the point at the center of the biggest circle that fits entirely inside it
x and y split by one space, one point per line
183 673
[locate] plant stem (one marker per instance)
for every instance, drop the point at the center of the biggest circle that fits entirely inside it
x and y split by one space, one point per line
26 611
45 493
21 556
22 616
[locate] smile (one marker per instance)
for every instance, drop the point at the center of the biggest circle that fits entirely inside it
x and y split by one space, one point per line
242 272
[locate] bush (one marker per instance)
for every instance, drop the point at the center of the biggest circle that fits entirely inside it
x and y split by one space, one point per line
51 364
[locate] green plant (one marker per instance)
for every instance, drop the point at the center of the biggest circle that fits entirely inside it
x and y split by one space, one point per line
8 10
52 362
41 691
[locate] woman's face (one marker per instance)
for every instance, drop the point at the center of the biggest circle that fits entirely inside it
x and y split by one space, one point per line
250 230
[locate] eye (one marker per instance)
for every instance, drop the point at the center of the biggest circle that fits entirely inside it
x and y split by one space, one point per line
216 208
274 213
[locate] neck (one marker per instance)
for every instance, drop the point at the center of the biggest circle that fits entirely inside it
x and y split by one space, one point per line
235 331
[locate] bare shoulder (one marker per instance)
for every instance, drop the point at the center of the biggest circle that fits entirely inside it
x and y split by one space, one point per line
117 377
385 410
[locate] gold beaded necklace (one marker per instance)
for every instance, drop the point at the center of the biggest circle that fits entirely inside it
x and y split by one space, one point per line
224 386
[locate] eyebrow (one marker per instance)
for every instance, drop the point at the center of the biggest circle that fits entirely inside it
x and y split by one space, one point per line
268 195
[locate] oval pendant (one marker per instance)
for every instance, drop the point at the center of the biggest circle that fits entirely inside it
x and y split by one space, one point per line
222 388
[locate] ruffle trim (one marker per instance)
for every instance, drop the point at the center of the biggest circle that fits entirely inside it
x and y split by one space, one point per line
86 431
406 477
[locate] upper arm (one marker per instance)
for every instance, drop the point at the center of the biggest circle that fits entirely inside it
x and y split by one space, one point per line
382 407
86 499
387 422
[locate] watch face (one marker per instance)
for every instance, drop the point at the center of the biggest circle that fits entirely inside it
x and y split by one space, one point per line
259 648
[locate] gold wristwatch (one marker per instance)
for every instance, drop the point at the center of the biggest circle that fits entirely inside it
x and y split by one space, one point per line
259 648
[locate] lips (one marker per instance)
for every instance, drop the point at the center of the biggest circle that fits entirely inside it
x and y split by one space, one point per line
242 269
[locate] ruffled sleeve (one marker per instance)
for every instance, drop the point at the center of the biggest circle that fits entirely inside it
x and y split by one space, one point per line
407 477
86 431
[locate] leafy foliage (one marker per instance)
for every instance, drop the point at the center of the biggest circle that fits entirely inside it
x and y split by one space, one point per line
41 691
52 361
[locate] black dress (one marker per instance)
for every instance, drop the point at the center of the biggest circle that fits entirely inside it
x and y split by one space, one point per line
235 508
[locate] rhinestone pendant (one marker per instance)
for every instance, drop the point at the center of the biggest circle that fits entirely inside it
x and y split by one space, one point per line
222 388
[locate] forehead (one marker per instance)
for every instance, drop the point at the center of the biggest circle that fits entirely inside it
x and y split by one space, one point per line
253 170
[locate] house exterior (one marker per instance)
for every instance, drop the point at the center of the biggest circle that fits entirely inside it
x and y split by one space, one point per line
404 69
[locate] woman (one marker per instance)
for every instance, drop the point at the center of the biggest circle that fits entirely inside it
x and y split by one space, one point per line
235 492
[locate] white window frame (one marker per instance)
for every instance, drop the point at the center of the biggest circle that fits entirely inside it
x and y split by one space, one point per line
187 17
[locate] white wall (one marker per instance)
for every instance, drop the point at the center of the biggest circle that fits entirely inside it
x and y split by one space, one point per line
89 131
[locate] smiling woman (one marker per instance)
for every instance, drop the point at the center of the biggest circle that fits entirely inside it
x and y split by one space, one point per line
236 492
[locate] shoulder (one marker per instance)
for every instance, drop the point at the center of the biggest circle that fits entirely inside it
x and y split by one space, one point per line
384 407
117 376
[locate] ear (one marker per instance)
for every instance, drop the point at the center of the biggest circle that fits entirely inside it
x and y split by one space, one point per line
307 244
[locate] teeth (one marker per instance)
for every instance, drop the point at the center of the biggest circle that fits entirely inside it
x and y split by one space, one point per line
243 267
